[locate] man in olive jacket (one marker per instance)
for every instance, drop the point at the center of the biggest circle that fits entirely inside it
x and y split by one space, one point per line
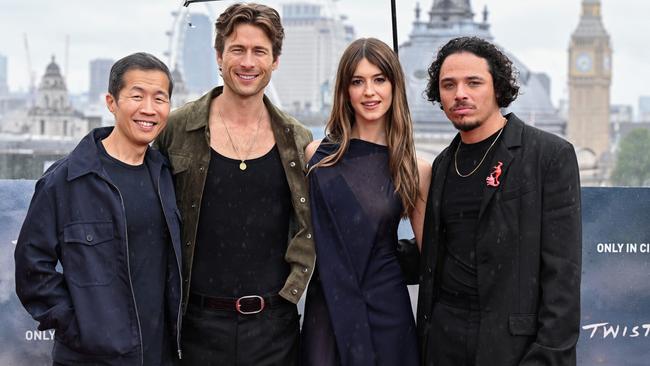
501 253
237 162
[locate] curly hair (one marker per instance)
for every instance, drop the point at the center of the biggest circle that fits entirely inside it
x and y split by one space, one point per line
504 75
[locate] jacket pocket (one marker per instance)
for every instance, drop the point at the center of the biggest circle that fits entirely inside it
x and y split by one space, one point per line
523 324
89 256
517 192
180 163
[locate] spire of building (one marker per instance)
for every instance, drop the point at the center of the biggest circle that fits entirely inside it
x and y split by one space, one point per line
52 79
590 74
591 23
53 68
52 92
450 11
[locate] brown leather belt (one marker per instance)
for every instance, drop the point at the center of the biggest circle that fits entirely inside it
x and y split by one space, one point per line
251 304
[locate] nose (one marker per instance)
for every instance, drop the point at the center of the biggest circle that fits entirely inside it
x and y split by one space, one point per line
369 89
147 106
460 93
247 60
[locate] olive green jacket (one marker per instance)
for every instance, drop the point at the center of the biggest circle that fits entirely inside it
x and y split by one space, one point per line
186 142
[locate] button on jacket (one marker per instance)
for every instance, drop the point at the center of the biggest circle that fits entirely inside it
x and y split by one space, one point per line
76 217
186 141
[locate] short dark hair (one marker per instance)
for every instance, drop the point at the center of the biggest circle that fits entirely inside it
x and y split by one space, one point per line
504 75
135 61
261 16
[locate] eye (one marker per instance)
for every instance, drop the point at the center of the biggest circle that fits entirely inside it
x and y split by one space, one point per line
380 79
136 97
356 82
260 52
447 86
474 83
161 99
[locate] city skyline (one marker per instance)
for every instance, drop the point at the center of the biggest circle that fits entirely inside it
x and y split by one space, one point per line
524 29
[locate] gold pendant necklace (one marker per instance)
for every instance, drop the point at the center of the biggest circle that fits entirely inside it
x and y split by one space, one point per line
480 162
242 165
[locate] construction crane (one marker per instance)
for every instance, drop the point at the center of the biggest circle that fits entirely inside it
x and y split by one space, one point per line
31 75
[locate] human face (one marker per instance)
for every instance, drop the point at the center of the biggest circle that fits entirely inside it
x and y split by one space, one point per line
467 91
247 61
371 93
142 107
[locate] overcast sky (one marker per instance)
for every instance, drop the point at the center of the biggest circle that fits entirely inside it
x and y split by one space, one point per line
537 32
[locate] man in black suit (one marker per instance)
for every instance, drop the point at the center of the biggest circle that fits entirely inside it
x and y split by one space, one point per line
501 256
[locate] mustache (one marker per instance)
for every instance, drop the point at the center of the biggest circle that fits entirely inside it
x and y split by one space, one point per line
461 105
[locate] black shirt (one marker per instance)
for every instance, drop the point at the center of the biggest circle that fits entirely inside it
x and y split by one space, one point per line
148 248
243 228
461 204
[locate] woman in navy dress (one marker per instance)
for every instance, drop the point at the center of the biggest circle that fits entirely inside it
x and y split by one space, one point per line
364 177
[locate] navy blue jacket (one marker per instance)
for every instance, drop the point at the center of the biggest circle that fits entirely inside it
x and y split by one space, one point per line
76 218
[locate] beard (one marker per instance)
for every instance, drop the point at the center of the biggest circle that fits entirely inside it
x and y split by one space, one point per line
466 126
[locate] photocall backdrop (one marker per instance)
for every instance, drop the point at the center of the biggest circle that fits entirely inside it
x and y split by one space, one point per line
615 320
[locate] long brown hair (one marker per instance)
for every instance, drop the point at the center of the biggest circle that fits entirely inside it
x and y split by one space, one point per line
399 127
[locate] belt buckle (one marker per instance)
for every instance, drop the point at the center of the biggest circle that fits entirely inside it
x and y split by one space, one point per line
238 304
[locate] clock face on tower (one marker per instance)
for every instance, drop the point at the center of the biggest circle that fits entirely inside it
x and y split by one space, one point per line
607 63
584 62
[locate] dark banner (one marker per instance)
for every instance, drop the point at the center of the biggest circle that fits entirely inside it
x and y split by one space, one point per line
615 277
615 282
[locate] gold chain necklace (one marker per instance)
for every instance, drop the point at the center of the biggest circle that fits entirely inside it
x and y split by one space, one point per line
242 165
482 159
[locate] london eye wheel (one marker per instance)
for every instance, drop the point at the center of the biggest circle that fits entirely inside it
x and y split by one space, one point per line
181 24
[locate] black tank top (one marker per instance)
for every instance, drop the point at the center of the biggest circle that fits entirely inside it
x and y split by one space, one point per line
243 228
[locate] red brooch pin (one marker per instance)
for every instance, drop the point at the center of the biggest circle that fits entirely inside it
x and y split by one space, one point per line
492 180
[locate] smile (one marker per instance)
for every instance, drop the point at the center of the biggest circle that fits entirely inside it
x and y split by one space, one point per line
371 104
247 77
146 124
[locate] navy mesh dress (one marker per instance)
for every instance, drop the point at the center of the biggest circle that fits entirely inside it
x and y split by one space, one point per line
358 310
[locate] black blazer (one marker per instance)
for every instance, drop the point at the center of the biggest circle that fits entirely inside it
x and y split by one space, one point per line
528 251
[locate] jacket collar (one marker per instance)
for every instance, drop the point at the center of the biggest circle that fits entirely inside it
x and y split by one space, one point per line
199 116
512 131
84 159
503 156
511 139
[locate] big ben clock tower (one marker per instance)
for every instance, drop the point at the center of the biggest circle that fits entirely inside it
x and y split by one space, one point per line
590 77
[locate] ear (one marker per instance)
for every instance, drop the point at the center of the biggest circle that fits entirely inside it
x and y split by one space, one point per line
219 59
275 63
111 103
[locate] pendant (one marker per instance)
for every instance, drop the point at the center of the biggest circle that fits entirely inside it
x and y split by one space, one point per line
242 166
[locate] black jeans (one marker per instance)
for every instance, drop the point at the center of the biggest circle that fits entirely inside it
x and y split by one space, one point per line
227 338
453 335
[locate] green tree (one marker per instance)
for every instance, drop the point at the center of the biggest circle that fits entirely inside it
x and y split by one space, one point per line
633 160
